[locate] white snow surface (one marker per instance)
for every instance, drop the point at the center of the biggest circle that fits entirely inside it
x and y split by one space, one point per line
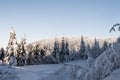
115 75
47 71
7 72
35 72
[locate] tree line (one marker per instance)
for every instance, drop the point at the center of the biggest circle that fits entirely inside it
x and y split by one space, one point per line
20 54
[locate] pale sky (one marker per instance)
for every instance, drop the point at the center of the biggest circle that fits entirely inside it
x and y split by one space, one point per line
40 19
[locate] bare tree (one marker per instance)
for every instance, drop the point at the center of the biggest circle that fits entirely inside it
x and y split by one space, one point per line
114 26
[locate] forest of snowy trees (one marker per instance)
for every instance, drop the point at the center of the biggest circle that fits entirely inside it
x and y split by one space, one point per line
20 54
101 56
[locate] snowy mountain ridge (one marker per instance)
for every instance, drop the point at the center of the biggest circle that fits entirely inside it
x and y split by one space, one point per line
74 38
73 41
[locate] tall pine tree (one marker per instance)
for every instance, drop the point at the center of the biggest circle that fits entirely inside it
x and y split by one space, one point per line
82 53
63 52
67 51
56 51
90 58
95 49
10 57
104 47
21 53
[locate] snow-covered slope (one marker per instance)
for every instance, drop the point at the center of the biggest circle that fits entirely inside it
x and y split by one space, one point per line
73 41
115 75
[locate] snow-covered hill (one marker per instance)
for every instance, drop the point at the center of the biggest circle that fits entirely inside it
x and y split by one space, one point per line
73 41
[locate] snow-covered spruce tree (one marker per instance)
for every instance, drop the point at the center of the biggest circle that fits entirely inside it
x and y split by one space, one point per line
36 54
90 58
21 53
82 53
46 57
29 54
2 53
56 51
67 51
42 54
118 39
104 47
95 49
10 57
15 52
63 51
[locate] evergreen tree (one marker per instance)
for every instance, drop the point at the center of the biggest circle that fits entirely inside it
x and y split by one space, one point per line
82 49
2 53
90 58
10 57
56 51
21 53
95 49
118 40
87 51
104 47
66 51
15 52
36 54
28 54
67 48
62 53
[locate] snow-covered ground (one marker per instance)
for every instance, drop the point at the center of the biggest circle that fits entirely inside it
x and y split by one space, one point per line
7 72
35 72
64 71
115 75
40 72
